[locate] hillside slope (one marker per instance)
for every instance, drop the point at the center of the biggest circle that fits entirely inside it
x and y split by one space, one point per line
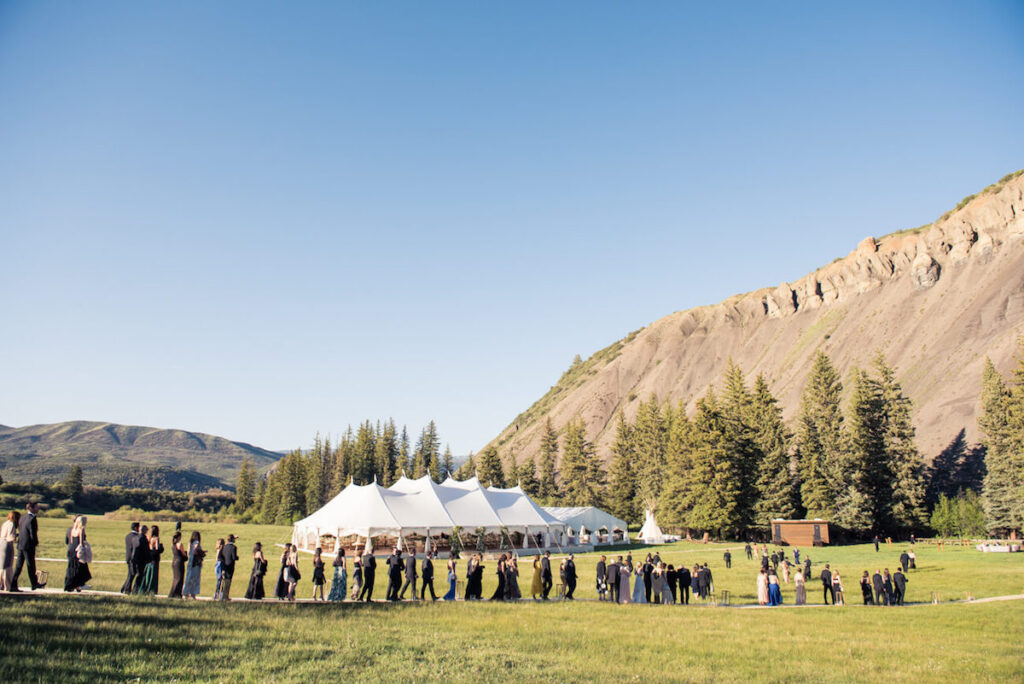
126 455
936 300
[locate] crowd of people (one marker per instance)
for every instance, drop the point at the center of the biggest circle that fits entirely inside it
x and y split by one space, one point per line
621 580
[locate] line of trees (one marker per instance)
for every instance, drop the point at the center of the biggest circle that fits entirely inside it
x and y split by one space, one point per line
1002 423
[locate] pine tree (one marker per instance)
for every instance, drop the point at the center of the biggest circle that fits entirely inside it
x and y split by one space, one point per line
448 463
1002 484
362 469
820 439
467 469
547 486
527 476
385 454
737 409
905 465
245 491
621 495
258 498
676 502
488 468
582 477
649 441
862 503
405 457
712 482
343 461
777 489
73 482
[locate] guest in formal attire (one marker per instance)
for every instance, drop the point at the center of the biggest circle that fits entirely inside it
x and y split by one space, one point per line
151 571
612 579
291 571
648 570
194 569
218 568
570 577
671 577
657 584
639 587
319 578
887 588
452 579
879 587
254 591
512 591
865 588
762 587
801 588
394 563
749 551
905 561
667 594
536 585
79 556
179 556
601 579
499 592
695 581
545 575
8 538
774 591
131 544
28 541
727 557
339 582
629 562
410 575
796 556
477 579
785 570
369 574
683 579
899 586
357 576
624 577
826 584
281 587
838 597
913 559
427 577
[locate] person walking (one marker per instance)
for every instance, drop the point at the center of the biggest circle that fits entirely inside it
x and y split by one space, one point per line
394 563
79 556
570 577
639 589
319 578
178 558
727 557
281 586
8 538
801 587
151 571
218 568
255 592
453 578
876 543
545 575
536 585
499 592
887 587
131 545
369 574
865 588
838 597
749 551
28 541
357 576
879 587
601 579
762 587
612 580
339 582
774 591
683 579
899 585
427 577
410 575
194 569
905 561
291 572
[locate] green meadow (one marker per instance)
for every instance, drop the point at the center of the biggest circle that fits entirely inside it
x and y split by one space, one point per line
100 638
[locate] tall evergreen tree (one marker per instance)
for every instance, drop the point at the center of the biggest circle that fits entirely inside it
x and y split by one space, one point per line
447 463
777 487
405 456
1001 488
621 495
546 484
527 476
905 465
362 469
488 468
649 442
712 483
73 482
820 439
582 476
676 501
467 469
862 501
245 490
385 454
737 410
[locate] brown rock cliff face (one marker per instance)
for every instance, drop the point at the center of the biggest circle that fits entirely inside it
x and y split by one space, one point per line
936 301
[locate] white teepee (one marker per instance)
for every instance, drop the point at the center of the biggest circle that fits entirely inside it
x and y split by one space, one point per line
650 533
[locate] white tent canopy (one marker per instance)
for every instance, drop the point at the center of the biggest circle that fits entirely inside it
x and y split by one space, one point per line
589 519
423 507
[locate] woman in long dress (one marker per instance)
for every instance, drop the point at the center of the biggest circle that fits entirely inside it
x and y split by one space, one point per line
339 584
357 576
762 588
291 572
281 588
499 593
837 589
785 571
194 569
512 580
178 557
801 589
78 570
452 577
865 589
657 584
774 591
319 577
536 584
624 585
254 591
638 585
151 573
8 535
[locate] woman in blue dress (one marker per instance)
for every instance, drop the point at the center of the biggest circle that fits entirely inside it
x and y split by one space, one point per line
194 569
639 593
338 584
450 596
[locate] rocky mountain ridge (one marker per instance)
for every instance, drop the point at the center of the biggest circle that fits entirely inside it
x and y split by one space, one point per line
936 300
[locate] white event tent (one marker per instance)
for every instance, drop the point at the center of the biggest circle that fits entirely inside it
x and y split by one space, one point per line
423 507
590 519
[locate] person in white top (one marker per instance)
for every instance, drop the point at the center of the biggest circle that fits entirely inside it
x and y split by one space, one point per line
8 535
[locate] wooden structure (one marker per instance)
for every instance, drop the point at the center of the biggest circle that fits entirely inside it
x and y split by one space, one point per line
800 532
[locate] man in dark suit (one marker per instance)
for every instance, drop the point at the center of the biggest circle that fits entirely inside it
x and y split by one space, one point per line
394 563
428 577
228 555
879 587
629 562
807 568
545 574
899 585
570 577
826 583
648 569
904 561
709 580
727 557
601 575
684 579
613 580
369 573
749 551
28 540
410 576
131 548
876 543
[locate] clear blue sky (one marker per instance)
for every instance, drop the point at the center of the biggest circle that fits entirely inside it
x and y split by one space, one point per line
262 220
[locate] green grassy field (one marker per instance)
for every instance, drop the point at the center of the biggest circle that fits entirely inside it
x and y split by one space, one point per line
95 638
